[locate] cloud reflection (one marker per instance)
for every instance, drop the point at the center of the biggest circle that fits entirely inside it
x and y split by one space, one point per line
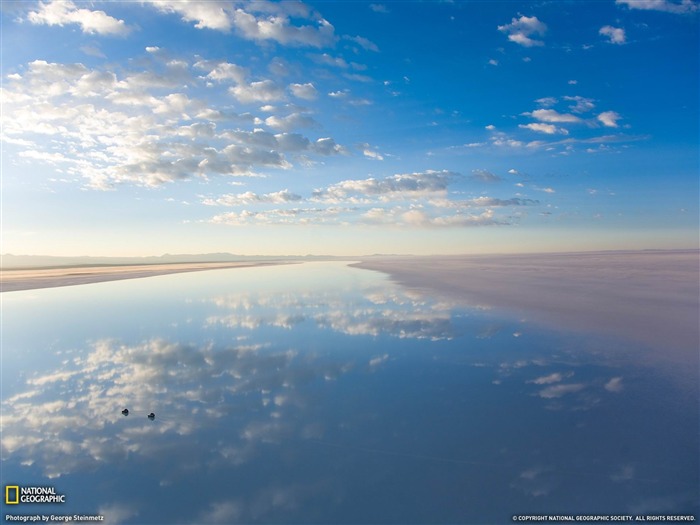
70 420
373 312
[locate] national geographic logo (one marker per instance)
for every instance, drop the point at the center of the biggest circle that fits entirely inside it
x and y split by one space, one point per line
14 495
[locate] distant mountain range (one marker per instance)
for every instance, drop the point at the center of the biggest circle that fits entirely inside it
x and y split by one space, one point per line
10 261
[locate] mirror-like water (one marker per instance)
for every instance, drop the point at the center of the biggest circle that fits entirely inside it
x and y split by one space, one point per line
319 393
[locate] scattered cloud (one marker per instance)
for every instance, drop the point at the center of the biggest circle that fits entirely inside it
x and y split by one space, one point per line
521 29
481 175
557 391
376 361
63 12
249 197
304 91
290 122
616 35
256 21
555 377
339 94
328 60
221 71
546 102
93 51
614 385
146 127
379 8
581 104
549 129
364 43
624 473
551 115
359 78
395 187
682 7
609 119
262 91
371 153
420 218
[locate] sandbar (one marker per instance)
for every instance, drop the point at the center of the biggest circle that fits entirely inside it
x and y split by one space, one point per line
30 279
646 296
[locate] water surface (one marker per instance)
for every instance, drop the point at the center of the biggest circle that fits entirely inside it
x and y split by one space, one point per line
319 393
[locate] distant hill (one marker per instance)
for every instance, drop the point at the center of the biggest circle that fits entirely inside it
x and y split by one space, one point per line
10 261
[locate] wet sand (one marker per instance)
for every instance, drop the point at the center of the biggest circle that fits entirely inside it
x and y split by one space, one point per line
650 297
30 279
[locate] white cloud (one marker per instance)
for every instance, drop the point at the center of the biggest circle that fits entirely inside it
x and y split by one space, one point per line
327 146
206 15
222 512
493 62
581 104
290 122
616 35
358 78
262 91
298 216
379 8
93 51
481 202
279 29
556 377
250 197
62 12
339 94
305 91
551 115
273 23
110 129
549 129
418 218
481 175
556 391
520 30
364 43
370 152
43 156
546 102
682 7
396 187
292 142
609 119
376 361
614 385
501 140
222 71
115 514
327 60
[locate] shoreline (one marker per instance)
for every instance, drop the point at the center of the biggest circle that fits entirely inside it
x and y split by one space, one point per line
16 280
647 297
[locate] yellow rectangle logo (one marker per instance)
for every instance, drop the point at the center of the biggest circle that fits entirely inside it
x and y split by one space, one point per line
8 490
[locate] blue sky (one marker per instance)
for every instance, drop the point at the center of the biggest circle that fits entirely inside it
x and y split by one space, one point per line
140 128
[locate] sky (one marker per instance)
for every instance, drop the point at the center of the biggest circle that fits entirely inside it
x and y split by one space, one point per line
348 128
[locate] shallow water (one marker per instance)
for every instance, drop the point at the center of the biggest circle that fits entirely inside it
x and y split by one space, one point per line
319 393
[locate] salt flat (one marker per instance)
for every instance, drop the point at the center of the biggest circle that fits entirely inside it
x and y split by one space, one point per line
647 296
29 279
